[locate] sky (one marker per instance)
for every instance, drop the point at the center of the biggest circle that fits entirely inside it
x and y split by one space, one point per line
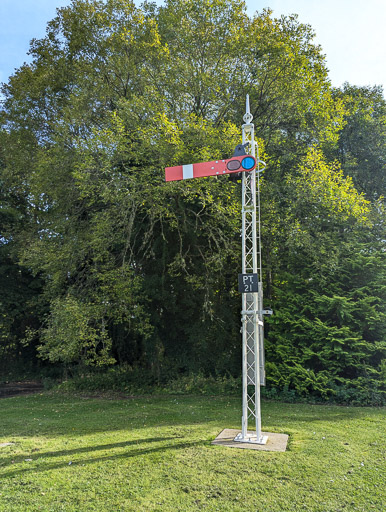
350 32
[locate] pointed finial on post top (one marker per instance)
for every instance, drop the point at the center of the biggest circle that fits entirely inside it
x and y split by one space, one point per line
247 116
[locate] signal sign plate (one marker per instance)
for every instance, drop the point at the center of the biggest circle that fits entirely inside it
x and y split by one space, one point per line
248 283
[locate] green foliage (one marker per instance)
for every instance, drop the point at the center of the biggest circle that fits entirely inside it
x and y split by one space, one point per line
106 262
361 147
70 335
322 187
337 347
136 380
21 304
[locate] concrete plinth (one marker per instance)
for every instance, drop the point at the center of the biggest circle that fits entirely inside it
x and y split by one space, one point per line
275 443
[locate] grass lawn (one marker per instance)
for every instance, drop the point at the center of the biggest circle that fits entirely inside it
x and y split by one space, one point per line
155 454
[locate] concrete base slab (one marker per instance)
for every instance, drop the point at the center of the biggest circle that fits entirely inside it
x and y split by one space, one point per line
275 443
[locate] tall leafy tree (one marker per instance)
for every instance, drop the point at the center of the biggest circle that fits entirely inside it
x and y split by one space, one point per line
141 271
361 148
327 337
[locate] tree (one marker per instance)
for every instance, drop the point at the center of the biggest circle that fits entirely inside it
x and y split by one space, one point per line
131 263
361 149
327 336
21 307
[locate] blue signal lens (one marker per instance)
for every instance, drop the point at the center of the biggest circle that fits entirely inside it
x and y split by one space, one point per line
248 163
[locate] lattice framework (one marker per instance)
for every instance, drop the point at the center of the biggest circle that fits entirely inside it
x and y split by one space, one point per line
252 303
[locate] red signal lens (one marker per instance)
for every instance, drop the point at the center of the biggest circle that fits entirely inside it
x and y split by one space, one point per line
233 165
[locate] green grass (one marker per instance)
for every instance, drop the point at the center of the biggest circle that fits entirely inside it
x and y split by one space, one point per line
154 454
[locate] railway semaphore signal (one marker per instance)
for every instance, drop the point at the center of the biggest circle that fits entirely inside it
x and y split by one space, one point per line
250 284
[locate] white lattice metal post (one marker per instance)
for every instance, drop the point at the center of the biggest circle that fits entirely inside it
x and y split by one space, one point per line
253 373
250 281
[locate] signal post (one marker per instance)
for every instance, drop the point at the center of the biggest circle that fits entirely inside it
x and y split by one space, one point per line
250 282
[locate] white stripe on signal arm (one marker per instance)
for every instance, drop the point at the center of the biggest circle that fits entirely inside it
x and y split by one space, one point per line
187 171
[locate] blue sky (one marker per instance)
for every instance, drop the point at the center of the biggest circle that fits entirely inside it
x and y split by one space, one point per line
351 33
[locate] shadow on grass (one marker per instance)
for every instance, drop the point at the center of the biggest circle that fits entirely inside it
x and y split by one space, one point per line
51 415
85 449
133 452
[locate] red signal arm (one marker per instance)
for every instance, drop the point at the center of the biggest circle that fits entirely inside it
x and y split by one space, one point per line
215 168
